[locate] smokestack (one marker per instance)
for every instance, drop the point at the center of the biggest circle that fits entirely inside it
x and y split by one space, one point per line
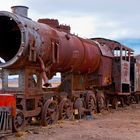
20 10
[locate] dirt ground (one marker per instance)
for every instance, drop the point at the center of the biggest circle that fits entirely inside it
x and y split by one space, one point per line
123 124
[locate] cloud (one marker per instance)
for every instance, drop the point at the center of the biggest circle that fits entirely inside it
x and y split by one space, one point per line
88 6
114 19
111 19
6 5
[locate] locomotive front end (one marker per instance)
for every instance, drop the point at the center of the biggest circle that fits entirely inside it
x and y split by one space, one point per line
12 38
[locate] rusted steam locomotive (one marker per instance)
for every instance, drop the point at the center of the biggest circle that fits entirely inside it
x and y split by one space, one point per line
95 73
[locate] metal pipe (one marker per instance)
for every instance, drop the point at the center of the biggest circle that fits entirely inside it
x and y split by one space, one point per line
20 10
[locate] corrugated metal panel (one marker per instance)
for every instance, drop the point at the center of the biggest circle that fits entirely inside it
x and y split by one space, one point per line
5 121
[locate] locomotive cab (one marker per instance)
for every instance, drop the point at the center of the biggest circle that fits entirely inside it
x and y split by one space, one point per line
123 82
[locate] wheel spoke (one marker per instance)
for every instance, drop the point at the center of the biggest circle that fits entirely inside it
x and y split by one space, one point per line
49 113
65 109
18 121
91 101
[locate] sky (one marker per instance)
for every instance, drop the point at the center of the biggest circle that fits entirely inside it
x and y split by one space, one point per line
113 19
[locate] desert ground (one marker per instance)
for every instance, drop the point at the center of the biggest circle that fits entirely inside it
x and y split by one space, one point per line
121 124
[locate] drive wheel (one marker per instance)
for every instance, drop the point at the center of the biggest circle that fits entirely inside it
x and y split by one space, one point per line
18 121
101 102
65 109
137 98
49 112
122 102
115 103
91 101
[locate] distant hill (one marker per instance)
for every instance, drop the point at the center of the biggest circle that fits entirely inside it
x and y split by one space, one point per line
55 80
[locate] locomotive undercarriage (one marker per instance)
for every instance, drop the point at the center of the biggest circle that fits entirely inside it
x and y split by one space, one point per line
72 99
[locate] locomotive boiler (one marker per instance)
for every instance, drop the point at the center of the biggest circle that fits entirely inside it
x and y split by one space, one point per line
49 46
94 72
